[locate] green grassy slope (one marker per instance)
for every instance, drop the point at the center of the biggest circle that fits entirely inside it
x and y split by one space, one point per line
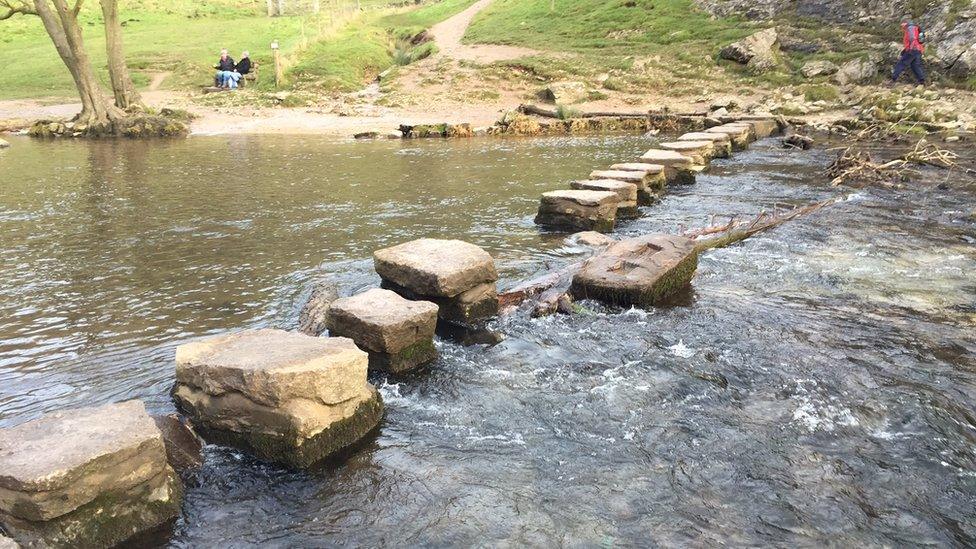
178 36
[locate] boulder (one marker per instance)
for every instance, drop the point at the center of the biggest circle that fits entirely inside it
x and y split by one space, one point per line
565 93
7 543
397 333
955 48
700 152
4 144
759 52
457 276
678 168
813 69
283 396
184 448
86 477
856 71
578 210
312 319
642 271
626 193
762 126
797 141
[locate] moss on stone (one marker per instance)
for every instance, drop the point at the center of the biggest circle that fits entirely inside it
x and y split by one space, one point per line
289 448
412 357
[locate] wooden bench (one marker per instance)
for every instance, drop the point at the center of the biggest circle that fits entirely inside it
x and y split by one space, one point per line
251 76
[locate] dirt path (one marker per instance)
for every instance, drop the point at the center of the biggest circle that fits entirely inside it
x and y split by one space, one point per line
447 34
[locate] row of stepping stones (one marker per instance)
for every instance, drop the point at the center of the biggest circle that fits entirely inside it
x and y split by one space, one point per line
95 477
595 204
647 270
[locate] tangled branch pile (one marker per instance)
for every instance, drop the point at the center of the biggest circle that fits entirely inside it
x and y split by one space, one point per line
856 168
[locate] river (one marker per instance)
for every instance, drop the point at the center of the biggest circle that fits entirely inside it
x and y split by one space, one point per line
817 386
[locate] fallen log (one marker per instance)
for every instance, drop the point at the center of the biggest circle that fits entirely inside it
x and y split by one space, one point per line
536 110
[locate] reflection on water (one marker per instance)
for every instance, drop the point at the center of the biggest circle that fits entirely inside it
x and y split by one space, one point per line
818 387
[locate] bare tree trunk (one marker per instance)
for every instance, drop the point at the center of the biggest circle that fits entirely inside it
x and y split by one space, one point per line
271 8
281 7
125 92
98 114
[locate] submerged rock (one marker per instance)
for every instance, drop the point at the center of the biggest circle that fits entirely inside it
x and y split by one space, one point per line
641 271
591 239
89 477
283 396
457 276
578 210
313 318
184 448
397 333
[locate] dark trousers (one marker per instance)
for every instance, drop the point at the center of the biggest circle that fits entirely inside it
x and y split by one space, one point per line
912 59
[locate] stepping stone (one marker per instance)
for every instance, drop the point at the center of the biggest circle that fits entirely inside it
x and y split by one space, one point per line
460 278
678 168
762 126
397 333
640 272
650 184
700 152
626 193
578 210
283 396
740 134
88 477
722 142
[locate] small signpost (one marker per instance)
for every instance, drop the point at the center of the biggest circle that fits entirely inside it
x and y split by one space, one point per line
277 63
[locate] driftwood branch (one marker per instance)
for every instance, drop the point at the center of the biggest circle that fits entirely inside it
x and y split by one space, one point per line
856 167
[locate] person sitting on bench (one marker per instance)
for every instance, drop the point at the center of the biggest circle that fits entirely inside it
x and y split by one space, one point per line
240 70
225 66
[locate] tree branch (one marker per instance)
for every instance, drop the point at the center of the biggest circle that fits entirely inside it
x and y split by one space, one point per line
13 7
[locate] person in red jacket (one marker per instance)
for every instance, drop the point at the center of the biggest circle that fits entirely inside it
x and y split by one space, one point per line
911 56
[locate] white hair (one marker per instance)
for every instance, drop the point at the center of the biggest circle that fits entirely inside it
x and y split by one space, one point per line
224 52
245 53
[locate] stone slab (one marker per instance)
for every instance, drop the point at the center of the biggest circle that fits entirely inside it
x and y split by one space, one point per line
700 152
642 271
678 168
626 192
382 321
272 367
429 267
63 460
578 210
628 176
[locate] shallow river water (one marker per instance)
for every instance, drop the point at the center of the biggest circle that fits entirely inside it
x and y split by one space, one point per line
817 386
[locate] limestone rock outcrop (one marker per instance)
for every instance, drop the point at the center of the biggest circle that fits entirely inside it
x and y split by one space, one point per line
856 71
283 396
759 51
813 69
88 477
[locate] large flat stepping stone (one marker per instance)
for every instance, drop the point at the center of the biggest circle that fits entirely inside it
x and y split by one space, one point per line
626 193
643 271
740 134
397 333
459 277
762 126
721 142
678 168
283 396
578 210
700 152
650 181
86 477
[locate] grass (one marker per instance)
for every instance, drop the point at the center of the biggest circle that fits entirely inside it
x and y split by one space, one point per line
821 92
183 37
